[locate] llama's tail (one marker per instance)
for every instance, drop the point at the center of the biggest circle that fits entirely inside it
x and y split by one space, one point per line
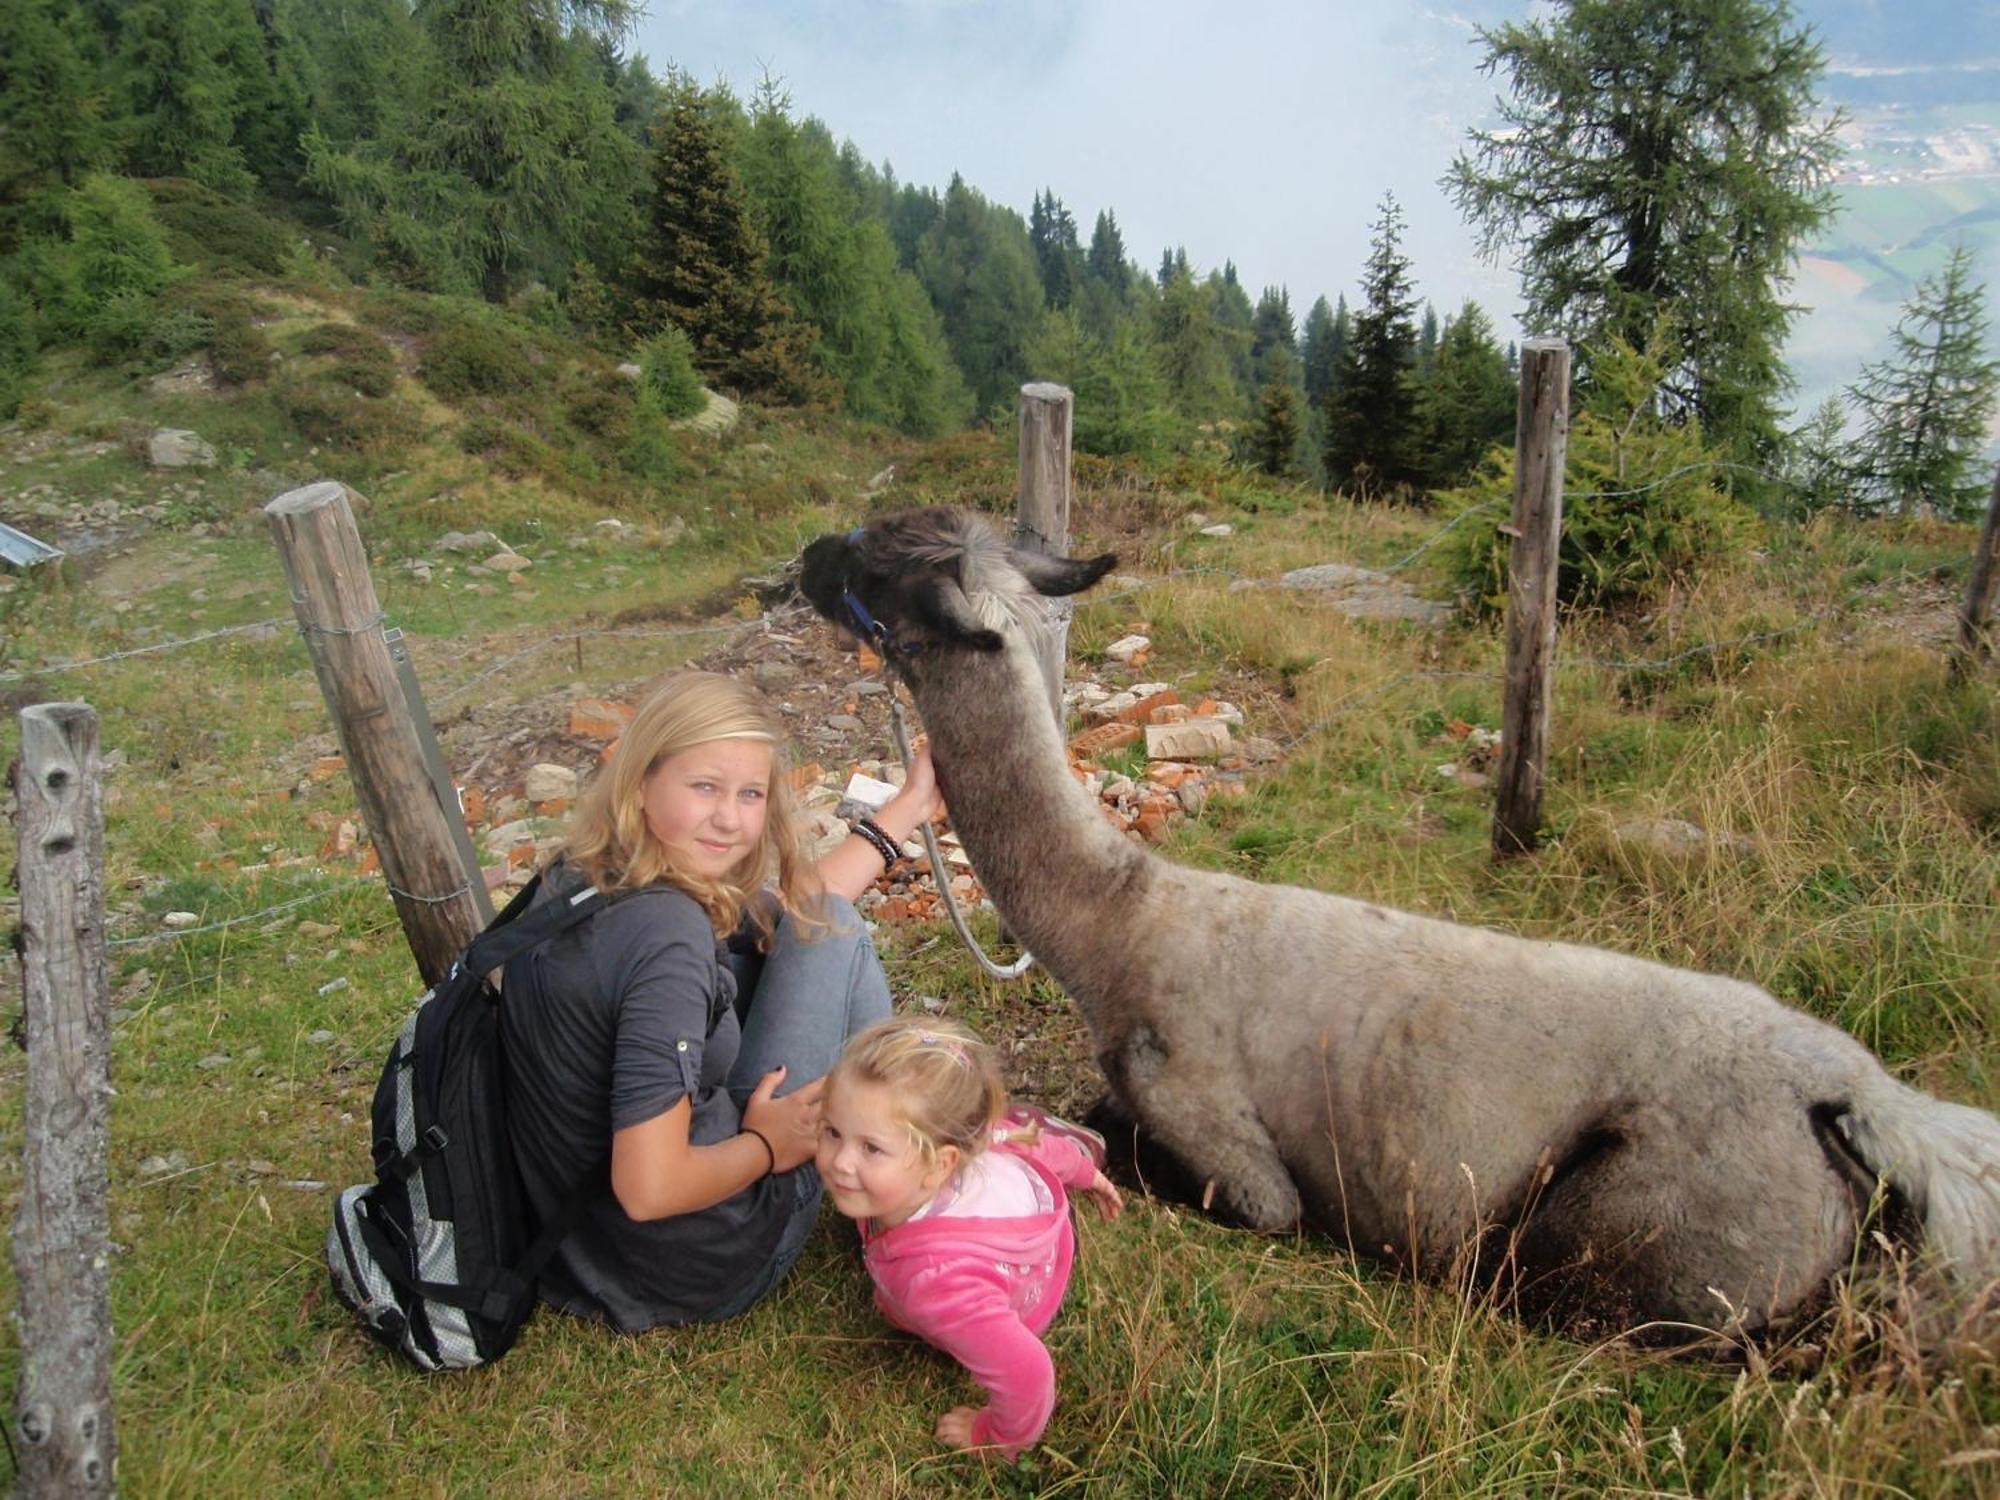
1943 1161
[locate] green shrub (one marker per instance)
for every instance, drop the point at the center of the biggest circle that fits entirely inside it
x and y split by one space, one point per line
1644 503
336 418
667 375
205 228
473 358
97 279
362 358
237 349
603 407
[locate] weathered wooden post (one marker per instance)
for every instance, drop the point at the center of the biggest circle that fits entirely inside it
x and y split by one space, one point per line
1041 517
342 625
1975 620
1541 441
65 1442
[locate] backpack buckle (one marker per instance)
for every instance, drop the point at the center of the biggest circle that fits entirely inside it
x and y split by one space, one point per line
435 1138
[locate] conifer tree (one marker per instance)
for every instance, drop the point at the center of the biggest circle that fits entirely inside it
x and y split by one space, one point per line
701 262
1052 233
1236 319
52 130
1467 403
1371 406
1660 155
1325 338
1275 436
1106 259
177 72
508 164
1427 343
1194 350
1924 410
979 269
1271 331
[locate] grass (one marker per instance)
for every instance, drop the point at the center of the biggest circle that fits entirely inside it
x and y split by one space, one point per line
1192 1360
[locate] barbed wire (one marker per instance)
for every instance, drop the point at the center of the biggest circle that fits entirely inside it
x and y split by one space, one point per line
734 628
172 934
50 669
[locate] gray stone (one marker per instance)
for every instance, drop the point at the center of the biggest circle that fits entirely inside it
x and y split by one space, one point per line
1196 739
468 541
549 783
177 448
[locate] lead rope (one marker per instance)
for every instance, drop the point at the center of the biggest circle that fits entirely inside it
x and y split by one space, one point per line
943 876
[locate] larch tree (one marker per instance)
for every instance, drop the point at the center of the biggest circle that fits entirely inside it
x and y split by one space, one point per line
1660 156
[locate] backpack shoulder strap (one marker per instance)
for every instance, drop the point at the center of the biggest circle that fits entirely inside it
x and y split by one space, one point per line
522 926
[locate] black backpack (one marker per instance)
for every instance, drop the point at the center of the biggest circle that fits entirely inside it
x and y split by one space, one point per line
438 1256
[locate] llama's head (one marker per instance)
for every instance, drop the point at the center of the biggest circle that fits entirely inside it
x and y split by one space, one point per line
934 579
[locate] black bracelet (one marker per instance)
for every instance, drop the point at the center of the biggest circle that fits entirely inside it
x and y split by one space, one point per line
885 846
770 1152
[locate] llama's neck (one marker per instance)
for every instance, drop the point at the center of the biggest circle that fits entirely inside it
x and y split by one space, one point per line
1061 876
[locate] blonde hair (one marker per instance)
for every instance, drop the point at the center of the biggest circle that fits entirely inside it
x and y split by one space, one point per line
943 1082
610 843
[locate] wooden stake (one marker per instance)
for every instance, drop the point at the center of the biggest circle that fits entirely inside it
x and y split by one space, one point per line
64 1439
1041 521
1541 442
1975 620
342 624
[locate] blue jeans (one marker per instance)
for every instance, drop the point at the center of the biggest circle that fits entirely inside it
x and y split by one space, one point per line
800 1003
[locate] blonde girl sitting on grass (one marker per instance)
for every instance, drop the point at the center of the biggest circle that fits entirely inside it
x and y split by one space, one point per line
962 1203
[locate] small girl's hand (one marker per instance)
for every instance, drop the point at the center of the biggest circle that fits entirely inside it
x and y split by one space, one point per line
955 1426
1105 1192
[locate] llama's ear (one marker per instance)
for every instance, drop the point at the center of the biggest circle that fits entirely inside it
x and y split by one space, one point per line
941 604
1061 575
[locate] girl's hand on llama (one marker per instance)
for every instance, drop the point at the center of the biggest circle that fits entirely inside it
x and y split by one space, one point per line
790 1124
918 802
1104 1192
955 1426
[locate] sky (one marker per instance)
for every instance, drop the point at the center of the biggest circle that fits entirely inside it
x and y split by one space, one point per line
1260 131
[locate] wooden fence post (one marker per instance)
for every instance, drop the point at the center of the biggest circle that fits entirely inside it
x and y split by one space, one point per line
1541 441
65 1443
1975 620
1041 517
342 625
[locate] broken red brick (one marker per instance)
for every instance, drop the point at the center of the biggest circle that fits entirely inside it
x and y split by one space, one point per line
326 768
600 718
1102 739
1141 711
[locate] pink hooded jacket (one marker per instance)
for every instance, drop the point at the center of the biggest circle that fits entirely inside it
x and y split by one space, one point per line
983 1290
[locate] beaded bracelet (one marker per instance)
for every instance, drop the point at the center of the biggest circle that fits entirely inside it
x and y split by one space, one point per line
885 846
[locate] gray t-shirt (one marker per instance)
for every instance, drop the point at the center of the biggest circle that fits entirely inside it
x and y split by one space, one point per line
608 1025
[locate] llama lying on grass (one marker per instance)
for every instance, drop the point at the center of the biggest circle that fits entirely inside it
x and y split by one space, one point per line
1627 1144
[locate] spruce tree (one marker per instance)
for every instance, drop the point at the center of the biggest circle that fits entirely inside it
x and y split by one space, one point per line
1325 337
1106 259
1274 439
52 130
1467 403
1052 233
979 269
1660 156
1924 410
700 264
1371 436
177 76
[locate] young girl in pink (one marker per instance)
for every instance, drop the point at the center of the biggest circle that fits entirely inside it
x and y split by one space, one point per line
962 1202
